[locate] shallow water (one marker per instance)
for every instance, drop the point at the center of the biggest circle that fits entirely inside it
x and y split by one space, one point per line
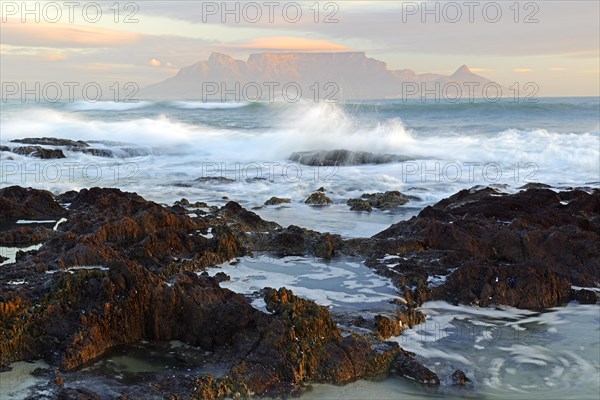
342 284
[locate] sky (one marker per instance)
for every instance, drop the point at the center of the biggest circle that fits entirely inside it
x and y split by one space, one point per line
553 43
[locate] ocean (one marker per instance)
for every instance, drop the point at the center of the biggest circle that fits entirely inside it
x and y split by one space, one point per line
216 152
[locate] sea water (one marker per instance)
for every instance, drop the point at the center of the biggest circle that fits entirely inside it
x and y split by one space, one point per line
162 148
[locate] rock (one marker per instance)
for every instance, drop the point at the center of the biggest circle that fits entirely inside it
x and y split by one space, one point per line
523 250
459 378
46 141
343 157
39 152
214 179
93 152
387 327
19 203
584 296
276 201
4 148
318 198
359 205
385 201
405 365
295 241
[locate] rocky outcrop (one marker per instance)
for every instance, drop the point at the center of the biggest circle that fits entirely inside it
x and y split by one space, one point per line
484 247
343 157
39 152
48 141
19 203
119 270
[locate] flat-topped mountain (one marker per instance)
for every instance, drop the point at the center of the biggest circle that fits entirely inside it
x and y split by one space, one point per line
343 75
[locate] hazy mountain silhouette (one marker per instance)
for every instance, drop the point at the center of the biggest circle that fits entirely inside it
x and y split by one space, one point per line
349 75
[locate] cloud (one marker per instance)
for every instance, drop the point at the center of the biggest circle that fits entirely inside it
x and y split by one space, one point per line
154 63
556 69
481 70
63 35
522 70
288 43
55 57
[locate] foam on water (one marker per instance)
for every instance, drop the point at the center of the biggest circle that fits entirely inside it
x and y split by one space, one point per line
343 284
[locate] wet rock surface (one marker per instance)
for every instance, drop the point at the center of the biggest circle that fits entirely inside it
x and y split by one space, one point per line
122 269
382 201
273 201
318 199
39 152
119 270
484 247
343 157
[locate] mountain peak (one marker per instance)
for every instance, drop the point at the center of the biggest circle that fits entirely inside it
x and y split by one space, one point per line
463 70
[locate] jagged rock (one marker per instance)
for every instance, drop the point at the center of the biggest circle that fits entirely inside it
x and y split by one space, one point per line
39 152
387 327
584 296
407 366
4 148
276 201
459 378
343 157
318 198
524 249
19 203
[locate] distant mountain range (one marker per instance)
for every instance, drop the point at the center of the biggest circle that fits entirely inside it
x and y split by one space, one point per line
334 76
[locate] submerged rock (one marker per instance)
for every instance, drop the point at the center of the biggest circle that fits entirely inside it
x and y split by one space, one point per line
276 201
407 366
459 378
343 157
359 205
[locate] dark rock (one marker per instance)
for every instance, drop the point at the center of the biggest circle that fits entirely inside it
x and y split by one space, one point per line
24 235
214 179
523 250
294 240
584 296
76 394
385 201
67 197
39 152
359 205
45 141
19 203
459 378
407 366
318 198
4 148
535 185
93 152
276 201
343 157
